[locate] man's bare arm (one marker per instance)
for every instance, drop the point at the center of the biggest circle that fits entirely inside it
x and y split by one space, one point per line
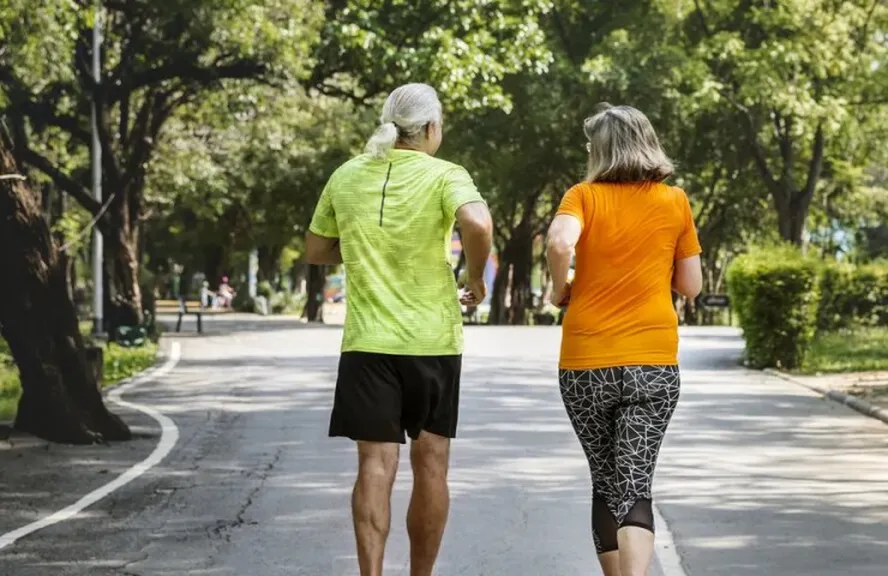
322 250
476 232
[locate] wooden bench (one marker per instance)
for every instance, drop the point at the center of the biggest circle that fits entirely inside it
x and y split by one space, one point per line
186 307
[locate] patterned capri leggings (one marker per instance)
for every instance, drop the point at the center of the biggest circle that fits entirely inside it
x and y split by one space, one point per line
620 416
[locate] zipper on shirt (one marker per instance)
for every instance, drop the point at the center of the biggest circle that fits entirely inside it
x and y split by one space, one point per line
384 186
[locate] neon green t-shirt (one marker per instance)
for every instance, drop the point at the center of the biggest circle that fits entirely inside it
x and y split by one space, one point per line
394 219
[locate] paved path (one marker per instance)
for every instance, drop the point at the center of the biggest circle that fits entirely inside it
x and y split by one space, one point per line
757 476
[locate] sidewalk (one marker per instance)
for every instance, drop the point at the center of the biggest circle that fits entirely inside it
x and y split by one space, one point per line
865 392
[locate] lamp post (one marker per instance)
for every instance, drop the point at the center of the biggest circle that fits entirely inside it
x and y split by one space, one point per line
98 288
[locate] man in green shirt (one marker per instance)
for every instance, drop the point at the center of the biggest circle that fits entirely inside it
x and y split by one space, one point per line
388 215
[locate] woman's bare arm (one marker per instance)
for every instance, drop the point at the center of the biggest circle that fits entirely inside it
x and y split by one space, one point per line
687 277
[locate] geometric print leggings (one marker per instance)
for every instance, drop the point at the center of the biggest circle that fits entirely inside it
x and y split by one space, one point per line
620 416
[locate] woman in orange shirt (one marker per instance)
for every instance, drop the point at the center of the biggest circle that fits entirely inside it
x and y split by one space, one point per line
635 241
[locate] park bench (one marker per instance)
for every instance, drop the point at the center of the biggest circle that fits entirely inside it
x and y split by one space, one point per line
184 308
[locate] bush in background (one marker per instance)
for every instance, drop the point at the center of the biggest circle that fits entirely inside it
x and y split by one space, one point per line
853 296
243 302
837 299
775 293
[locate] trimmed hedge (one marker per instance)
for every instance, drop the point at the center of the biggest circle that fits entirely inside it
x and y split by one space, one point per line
783 299
775 292
853 296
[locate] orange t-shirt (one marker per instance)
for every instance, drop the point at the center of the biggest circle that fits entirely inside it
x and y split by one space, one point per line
620 311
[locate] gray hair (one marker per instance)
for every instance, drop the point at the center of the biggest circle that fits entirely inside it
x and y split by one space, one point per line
623 147
406 112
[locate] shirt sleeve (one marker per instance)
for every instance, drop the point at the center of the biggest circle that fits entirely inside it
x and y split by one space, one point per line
688 244
573 204
459 190
323 223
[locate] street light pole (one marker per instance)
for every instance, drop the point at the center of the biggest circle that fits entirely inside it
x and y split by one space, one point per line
98 288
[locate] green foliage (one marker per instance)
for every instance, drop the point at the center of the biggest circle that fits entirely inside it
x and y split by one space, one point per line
837 299
286 302
855 350
853 296
119 364
122 362
465 48
265 289
243 302
9 383
774 292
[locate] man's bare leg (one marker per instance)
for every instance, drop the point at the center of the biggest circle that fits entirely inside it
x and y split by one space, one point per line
430 501
371 502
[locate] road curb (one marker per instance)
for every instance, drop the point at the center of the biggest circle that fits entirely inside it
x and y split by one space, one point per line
844 398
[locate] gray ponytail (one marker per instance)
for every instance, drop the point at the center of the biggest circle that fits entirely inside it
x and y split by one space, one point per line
406 111
384 139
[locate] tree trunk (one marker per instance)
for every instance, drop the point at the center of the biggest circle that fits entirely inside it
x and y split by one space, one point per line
791 217
521 256
123 267
60 397
314 304
269 264
498 310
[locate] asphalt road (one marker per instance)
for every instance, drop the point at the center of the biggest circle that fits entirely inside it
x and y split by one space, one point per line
757 476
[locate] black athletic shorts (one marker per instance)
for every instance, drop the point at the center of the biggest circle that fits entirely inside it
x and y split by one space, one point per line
380 396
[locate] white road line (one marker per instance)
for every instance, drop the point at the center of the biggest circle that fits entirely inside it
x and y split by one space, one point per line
168 438
667 554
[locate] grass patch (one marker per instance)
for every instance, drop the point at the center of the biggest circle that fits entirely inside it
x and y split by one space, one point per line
120 363
858 350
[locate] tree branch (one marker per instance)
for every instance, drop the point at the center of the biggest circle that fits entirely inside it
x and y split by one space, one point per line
189 73
62 180
702 16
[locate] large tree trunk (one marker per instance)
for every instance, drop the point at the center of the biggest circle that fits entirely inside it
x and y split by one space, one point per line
269 264
314 304
791 217
123 264
498 309
60 397
521 256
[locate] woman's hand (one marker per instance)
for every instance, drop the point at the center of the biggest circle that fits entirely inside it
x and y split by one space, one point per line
561 298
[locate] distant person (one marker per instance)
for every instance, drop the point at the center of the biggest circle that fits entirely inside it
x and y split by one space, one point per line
225 294
206 295
388 215
635 242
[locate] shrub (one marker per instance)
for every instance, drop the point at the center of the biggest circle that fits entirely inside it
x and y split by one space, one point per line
243 302
871 294
852 296
836 307
774 291
265 289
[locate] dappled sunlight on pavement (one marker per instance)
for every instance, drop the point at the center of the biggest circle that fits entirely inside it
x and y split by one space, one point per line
757 476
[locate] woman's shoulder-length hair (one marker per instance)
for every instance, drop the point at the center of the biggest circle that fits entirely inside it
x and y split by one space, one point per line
623 147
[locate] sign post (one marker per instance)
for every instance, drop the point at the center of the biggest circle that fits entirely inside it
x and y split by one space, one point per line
718 301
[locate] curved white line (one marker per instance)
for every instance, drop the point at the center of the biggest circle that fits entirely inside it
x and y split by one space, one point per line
667 554
168 438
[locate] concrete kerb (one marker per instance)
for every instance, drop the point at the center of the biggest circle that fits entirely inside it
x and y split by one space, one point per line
844 398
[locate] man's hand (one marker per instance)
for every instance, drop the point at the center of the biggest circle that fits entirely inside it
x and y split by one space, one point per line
475 292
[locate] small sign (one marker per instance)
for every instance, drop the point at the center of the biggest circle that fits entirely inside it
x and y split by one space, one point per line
715 301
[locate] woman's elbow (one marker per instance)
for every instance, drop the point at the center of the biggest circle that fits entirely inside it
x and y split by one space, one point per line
690 288
558 245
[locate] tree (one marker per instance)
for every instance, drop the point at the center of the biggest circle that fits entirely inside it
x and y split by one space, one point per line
241 171
60 399
800 76
157 59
